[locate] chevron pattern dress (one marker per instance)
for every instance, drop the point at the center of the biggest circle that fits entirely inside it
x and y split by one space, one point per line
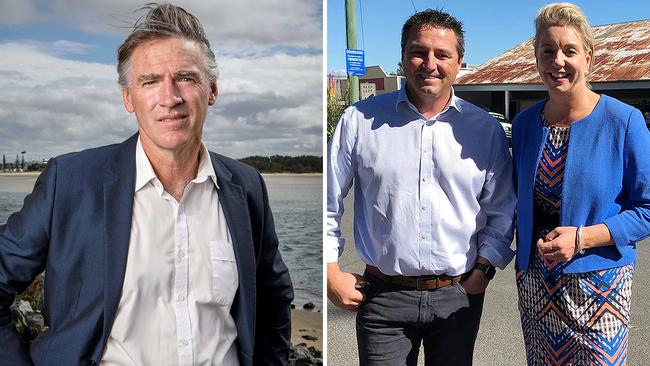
569 319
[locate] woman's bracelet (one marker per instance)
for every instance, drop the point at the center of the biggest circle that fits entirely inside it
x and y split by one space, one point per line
579 246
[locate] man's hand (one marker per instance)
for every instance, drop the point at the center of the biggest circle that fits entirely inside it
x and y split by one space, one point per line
341 287
558 245
477 281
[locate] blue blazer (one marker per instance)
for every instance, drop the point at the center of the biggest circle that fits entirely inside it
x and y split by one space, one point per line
76 225
606 180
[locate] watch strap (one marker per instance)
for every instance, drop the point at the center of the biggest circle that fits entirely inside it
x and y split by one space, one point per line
489 270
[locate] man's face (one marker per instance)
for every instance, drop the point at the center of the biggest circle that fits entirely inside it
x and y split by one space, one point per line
431 63
169 91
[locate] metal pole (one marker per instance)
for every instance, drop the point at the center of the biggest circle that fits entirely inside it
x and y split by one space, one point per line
507 110
351 33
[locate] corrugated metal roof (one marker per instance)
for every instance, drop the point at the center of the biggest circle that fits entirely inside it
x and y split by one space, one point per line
622 54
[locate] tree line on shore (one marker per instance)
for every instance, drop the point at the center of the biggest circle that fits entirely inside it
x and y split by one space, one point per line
265 164
20 165
285 164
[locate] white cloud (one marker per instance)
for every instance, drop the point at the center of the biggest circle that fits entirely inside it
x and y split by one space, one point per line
35 64
50 105
230 25
270 104
270 83
65 47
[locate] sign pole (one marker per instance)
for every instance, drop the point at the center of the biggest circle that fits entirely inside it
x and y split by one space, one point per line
351 33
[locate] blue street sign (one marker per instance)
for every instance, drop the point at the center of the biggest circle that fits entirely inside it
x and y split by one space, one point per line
355 62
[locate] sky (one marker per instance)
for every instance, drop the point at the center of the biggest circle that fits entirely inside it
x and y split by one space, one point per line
491 27
58 78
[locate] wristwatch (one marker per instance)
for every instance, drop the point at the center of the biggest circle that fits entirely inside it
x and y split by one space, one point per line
489 270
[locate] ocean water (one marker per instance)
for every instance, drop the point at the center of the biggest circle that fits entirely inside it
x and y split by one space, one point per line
296 202
297 206
13 190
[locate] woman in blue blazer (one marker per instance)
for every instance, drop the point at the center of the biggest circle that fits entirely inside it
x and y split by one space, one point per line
583 179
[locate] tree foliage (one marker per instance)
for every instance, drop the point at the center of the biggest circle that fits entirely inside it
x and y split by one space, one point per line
335 109
285 164
400 69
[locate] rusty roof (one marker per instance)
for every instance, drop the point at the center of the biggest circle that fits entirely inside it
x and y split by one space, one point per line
622 54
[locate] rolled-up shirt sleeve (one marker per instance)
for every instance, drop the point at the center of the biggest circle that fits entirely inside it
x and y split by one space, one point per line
340 174
498 201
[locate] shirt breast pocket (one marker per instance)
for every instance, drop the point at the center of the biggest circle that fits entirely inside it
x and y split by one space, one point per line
225 278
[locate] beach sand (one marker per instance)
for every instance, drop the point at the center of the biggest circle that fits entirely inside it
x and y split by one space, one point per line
307 323
19 174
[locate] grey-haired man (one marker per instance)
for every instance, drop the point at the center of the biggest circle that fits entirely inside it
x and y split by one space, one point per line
157 251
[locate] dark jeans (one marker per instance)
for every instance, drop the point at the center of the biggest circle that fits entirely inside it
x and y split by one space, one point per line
394 320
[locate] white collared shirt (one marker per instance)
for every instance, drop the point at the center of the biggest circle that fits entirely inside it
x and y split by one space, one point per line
181 276
430 195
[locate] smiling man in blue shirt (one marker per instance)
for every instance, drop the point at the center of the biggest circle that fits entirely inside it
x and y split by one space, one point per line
433 206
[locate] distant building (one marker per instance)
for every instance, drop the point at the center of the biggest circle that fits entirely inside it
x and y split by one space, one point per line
466 69
509 83
382 81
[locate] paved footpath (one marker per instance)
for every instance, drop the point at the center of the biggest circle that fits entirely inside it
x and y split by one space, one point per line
499 340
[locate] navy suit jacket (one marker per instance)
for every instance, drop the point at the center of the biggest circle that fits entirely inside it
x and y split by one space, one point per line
76 225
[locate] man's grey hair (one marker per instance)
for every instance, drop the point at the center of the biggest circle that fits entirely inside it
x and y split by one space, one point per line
165 21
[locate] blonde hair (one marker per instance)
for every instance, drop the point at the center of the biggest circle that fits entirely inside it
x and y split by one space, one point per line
565 14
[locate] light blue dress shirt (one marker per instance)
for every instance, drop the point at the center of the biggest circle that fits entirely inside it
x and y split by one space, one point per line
429 195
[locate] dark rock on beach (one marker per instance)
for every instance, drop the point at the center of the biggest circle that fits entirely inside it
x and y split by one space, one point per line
301 355
27 311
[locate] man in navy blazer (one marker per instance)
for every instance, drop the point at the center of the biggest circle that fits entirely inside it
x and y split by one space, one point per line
77 224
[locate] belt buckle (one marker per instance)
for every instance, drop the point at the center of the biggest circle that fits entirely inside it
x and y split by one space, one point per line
446 281
424 281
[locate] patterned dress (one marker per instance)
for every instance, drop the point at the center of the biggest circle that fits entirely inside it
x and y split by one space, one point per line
569 319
